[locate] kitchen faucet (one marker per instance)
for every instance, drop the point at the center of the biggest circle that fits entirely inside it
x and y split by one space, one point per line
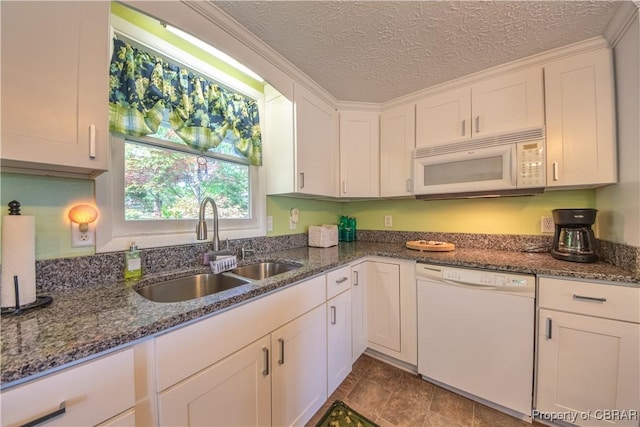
201 229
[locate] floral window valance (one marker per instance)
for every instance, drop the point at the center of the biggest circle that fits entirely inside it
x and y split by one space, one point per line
142 86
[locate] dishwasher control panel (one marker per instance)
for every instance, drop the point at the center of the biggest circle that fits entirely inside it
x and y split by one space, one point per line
475 277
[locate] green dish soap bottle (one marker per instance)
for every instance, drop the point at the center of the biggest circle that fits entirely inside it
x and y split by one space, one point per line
132 263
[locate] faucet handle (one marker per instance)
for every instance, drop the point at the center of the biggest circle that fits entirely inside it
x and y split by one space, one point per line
245 251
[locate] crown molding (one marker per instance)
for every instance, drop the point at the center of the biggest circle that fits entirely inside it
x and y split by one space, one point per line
540 59
626 14
225 22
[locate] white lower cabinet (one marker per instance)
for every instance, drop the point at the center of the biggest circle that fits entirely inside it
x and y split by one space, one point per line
99 392
383 304
262 363
212 396
273 381
299 364
391 309
339 359
588 365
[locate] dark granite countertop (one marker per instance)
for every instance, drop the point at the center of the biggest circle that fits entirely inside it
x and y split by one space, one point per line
87 321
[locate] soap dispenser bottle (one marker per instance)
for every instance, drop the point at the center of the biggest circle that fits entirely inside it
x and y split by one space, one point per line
132 263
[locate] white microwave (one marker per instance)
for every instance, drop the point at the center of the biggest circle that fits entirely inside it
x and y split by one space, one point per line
507 164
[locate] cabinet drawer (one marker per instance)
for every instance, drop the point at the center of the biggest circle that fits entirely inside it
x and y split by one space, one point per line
592 299
338 281
90 393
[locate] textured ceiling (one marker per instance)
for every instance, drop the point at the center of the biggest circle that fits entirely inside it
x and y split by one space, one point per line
375 51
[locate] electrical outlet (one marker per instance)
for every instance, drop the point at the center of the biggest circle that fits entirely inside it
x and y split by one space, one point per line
388 221
269 223
547 225
80 239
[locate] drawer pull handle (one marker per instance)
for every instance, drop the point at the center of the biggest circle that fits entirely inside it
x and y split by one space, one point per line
548 325
265 371
281 360
592 299
58 412
342 280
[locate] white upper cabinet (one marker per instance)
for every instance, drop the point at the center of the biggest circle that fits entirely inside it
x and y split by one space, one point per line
359 153
397 141
505 103
301 144
443 117
581 140
55 82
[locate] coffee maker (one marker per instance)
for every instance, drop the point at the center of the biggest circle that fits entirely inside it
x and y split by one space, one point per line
574 239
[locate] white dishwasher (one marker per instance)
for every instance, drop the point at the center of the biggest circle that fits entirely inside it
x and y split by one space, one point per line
476 334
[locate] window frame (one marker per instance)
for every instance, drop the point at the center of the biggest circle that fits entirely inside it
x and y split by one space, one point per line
112 231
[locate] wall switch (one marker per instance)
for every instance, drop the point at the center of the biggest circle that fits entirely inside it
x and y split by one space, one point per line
80 239
269 223
547 225
388 221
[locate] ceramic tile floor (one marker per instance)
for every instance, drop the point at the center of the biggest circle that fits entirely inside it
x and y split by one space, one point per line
392 397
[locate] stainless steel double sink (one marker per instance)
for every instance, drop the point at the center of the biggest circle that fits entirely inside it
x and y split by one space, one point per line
199 285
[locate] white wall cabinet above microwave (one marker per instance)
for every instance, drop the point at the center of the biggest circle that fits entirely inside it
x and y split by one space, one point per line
509 102
301 144
54 87
581 134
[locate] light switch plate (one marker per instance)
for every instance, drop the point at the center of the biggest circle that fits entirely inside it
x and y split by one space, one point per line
388 221
269 223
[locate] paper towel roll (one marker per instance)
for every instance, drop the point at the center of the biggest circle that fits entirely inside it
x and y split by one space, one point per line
18 259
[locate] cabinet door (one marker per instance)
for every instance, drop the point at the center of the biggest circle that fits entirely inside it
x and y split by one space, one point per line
581 141
338 340
299 383
383 305
510 102
55 64
359 154
234 391
316 145
359 309
587 365
397 141
278 144
444 117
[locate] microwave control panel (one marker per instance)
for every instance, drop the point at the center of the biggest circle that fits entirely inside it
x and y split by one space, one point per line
531 164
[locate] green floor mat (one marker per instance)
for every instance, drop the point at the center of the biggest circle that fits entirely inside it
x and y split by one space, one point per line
340 415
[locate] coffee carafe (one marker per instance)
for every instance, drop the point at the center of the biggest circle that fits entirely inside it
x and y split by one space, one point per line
574 239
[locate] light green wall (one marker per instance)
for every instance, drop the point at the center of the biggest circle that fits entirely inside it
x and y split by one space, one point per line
506 215
312 212
49 200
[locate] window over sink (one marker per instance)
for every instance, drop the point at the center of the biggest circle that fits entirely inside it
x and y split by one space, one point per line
151 194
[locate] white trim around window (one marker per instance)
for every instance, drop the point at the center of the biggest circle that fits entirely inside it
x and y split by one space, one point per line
113 233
